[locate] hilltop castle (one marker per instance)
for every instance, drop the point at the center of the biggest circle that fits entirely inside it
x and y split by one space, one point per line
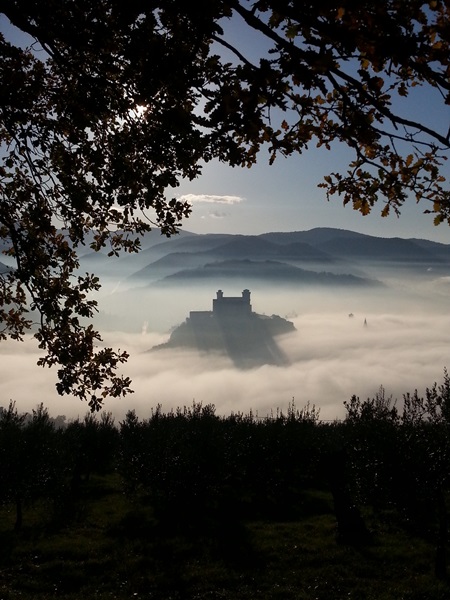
232 328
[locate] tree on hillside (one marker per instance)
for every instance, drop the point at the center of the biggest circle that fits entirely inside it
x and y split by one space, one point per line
109 104
401 459
31 465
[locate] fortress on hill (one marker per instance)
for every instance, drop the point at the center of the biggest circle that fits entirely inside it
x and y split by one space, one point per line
233 329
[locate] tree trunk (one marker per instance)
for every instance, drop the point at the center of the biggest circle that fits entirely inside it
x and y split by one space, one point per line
351 528
440 565
19 514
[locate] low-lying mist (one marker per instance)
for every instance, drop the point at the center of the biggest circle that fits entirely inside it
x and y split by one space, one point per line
398 336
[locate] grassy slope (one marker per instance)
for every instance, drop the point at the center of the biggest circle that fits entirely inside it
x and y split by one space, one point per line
114 549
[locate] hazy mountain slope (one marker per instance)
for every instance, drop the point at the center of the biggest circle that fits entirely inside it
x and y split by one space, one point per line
193 243
356 246
316 236
122 266
382 249
301 251
438 249
240 247
170 264
321 249
268 271
259 248
4 268
246 247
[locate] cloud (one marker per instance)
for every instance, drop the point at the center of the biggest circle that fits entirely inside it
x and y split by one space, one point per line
406 345
218 215
211 199
332 358
215 214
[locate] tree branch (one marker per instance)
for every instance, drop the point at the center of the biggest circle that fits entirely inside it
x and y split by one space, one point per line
301 55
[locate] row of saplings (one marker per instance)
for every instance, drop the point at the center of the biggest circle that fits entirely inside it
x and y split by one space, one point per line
193 465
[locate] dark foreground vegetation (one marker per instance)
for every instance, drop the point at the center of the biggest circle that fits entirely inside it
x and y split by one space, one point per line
191 505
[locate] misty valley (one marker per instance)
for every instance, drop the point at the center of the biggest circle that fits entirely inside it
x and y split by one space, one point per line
334 313
365 311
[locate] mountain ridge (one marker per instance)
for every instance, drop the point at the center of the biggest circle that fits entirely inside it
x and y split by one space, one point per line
339 252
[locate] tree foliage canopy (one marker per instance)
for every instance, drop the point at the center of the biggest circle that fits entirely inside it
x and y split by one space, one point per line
113 103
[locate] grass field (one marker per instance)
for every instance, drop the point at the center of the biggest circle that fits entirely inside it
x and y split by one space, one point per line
115 549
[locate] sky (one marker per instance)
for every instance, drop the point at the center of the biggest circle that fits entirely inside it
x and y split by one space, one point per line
285 196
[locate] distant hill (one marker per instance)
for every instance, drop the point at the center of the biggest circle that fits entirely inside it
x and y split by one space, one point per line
258 248
357 246
149 239
125 264
320 256
304 252
4 268
380 249
170 264
246 247
192 243
242 248
315 237
268 270
436 248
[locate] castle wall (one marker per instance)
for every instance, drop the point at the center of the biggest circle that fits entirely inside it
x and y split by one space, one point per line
200 315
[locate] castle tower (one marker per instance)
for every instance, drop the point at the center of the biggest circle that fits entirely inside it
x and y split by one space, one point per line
232 306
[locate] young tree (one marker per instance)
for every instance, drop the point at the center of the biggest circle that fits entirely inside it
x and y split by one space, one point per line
114 102
12 455
31 467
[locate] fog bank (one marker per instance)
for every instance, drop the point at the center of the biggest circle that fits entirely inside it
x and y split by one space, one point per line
332 357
